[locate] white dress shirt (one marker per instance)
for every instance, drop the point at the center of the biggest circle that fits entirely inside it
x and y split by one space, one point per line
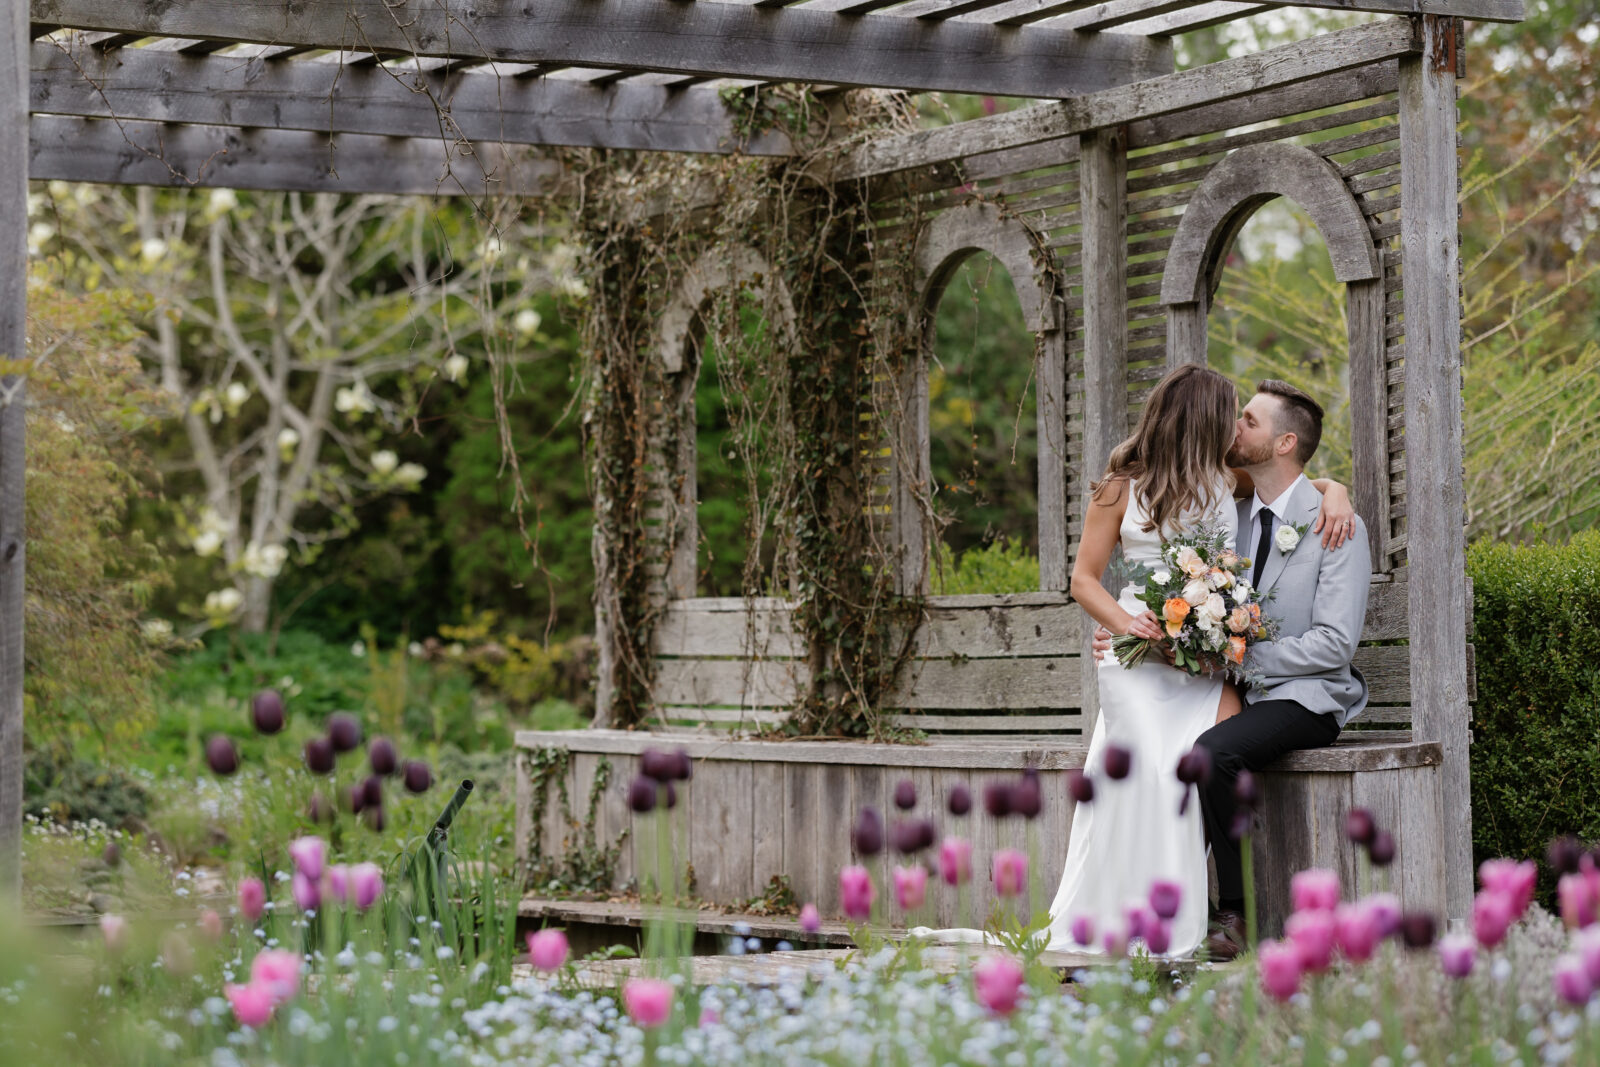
1275 508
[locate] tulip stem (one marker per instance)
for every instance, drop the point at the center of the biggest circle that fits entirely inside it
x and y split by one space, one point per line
1248 868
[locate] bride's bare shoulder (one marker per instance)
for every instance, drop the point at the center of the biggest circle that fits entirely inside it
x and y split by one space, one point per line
1112 491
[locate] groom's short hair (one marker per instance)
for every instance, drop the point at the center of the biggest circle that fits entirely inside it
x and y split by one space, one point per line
1302 417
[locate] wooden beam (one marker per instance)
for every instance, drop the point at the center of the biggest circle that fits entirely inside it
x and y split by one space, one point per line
13 346
139 153
1200 17
333 97
1476 10
716 39
1436 516
1288 65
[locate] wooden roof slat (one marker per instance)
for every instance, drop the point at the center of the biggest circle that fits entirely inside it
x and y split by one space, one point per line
962 7
1119 13
146 85
714 39
1201 16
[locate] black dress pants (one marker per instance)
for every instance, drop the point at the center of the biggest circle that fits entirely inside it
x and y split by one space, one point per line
1252 739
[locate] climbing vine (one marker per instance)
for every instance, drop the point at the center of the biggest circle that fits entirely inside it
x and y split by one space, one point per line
584 864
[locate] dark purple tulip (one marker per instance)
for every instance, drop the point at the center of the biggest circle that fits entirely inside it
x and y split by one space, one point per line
905 794
1194 766
912 835
319 810
868 833
319 755
642 795
344 730
355 798
1359 826
1027 798
372 792
1382 848
1080 787
418 776
1246 791
1243 822
1564 854
669 798
374 817
1417 929
654 763
683 766
266 709
960 801
1119 762
997 799
111 855
221 755
382 756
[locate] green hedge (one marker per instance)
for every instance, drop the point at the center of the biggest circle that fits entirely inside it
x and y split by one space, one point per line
1536 725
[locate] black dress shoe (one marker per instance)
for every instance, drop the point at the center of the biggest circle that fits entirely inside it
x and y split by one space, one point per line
1227 939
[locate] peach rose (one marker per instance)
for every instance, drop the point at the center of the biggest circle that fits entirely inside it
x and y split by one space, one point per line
1190 563
1176 610
1239 620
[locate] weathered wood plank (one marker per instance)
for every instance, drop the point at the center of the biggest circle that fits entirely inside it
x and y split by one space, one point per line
1039 682
766 804
1422 848
801 831
1433 435
1379 793
14 151
998 723
1368 409
616 817
135 153
1055 461
719 40
836 807
724 832
327 95
1287 65
729 683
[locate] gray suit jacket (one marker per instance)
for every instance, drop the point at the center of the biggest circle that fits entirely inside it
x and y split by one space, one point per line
1320 599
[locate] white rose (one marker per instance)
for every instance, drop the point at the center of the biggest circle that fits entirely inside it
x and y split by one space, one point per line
455 367
206 542
1286 538
527 321
1196 591
384 462
1242 589
1219 578
1161 577
1212 611
1190 563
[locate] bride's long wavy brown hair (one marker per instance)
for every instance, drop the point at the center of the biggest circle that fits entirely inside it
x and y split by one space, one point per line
1177 455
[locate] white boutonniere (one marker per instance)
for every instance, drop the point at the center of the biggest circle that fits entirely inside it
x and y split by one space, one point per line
1287 539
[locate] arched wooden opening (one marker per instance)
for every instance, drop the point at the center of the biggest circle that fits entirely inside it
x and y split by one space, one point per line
947 242
727 267
1243 181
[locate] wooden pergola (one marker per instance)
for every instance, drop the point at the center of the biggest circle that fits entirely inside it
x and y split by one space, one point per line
421 97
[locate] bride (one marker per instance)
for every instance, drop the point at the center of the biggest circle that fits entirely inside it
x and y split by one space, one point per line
1170 475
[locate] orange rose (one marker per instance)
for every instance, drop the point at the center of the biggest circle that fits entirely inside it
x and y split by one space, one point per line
1235 650
1176 610
1255 613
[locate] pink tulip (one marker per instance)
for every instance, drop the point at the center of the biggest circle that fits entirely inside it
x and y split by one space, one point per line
1357 930
1083 930
1138 918
1515 881
1572 981
308 854
648 1001
114 929
1491 917
547 949
1278 965
1578 905
1588 945
856 892
1157 936
366 884
1312 934
307 894
810 921
252 898
1315 890
1457 953
1165 897
955 860
1385 908
910 887
278 972
998 982
211 924
338 882
1010 872
252 1004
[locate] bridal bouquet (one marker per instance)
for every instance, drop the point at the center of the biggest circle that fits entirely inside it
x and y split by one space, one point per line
1211 612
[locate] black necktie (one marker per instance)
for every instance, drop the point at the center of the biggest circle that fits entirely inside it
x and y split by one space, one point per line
1262 548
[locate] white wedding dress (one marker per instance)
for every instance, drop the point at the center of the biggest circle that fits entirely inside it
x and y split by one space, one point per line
1131 834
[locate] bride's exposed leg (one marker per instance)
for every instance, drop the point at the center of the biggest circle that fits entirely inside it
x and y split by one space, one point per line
1230 704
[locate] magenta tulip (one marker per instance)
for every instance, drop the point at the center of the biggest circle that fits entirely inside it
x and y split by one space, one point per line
278 972
252 1004
1491 917
1572 981
1515 881
810 920
1385 908
1457 953
1165 897
648 1001
1278 965
1578 904
910 887
1082 930
1136 917
1157 936
1587 944
308 854
856 892
998 983
366 884
547 949
307 894
1115 941
955 861
1312 933
114 931
1314 890
337 883
1358 930
1010 872
252 898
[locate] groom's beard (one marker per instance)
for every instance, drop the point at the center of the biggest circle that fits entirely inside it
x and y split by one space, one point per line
1242 456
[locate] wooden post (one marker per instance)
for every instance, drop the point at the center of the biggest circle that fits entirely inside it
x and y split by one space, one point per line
1436 514
1369 412
1186 334
1103 185
1051 415
13 326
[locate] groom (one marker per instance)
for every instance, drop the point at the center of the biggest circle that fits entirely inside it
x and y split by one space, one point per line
1309 689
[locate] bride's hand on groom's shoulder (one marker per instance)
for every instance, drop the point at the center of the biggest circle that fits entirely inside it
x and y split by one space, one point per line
1336 522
